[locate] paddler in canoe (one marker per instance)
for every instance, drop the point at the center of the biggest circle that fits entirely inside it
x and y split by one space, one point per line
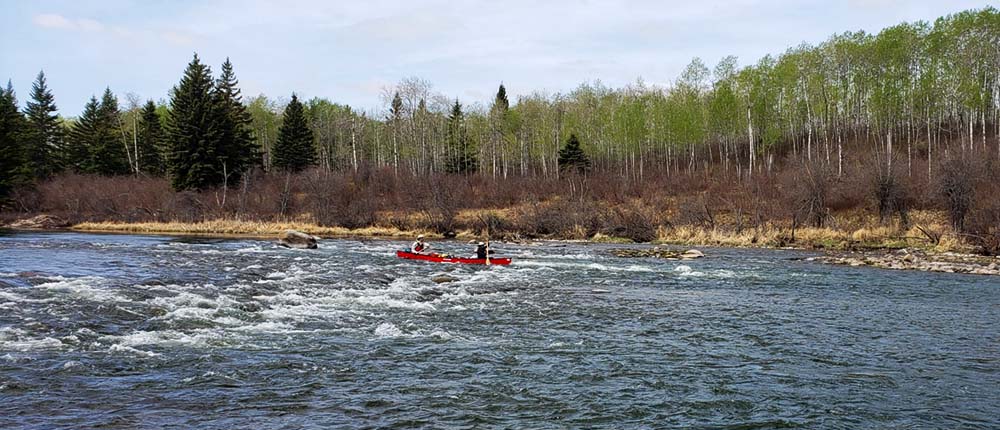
420 247
483 250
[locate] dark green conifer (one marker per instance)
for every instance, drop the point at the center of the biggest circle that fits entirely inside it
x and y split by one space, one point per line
236 145
43 144
462 156
501 103
193 131
294 150
108 153
572 156
150 141
81 136
12 128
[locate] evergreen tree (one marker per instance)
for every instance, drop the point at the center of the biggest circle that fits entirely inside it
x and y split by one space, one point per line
44 137
572 156
236 145
462 158
12 128
94 140
81 136
150 141
501 103
193 131
107 151
295 149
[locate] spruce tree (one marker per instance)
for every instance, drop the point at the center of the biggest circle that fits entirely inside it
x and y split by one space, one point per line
462 158
81 136
44 137
236 146
107 152
150 141
12 128
294 149
94 143
501 103
572 156
193 131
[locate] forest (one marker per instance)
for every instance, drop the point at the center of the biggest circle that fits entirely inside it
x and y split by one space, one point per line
897 131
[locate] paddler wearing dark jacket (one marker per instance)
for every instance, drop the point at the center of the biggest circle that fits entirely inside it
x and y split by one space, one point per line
482 250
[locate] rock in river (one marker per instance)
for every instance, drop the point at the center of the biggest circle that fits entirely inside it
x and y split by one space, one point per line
40 222
441 279
298 239
692 254
657 252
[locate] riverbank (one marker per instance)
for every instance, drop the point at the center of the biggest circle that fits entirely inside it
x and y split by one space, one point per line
880 247
771 236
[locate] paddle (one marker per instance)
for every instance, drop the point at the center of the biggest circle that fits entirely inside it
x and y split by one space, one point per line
487 225
487 247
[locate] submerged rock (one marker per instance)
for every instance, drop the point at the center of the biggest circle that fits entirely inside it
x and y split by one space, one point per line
691 254
441 279
40 222
916 260
297 239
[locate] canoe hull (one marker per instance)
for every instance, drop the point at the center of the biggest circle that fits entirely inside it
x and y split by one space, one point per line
440 259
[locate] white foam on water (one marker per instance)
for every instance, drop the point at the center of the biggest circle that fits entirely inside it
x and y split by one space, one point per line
687 271
201 338
71 364
25 345
441 335
86 287
269 327
388 329
554 253
7 333
122 349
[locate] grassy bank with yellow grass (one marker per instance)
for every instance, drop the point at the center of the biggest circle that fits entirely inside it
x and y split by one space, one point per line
928 232
222 227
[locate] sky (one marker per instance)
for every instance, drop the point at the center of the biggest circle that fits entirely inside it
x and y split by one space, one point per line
351 51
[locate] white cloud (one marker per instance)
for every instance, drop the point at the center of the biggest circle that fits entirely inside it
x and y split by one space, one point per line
51 20
89 25
177 37
48 20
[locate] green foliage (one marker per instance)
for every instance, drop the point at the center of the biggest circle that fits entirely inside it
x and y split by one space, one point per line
82 134
295 150
500 102
43 141
462 156
236 149
572 157
925 84
150 141
194 131
107 153
12 129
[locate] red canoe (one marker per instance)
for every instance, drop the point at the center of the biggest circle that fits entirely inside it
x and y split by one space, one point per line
449 259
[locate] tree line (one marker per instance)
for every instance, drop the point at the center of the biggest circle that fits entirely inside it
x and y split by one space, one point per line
913 91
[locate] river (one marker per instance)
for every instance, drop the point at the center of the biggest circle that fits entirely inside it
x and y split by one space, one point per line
124 332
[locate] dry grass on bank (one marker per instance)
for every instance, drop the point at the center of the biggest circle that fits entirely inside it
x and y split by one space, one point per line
237 227
770 236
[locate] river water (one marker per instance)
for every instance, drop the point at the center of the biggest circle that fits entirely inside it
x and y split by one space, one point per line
123 332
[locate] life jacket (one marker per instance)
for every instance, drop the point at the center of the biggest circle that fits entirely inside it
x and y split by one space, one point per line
418 246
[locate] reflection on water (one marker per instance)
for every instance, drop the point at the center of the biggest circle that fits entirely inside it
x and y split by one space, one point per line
147 332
